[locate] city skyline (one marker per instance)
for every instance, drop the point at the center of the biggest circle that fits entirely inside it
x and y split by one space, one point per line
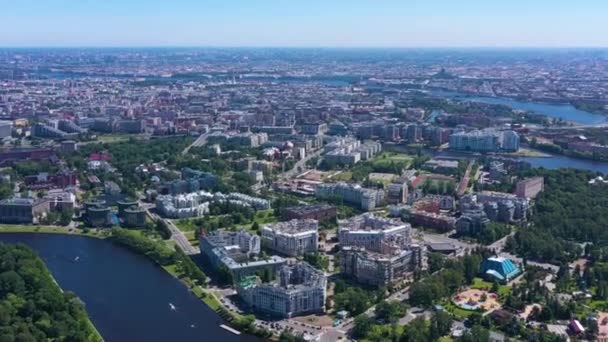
269 23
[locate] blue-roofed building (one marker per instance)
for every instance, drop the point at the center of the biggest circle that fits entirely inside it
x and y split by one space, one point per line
499 269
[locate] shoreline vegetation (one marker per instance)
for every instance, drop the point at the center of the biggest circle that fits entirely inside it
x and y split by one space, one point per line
173 261
58 315
15 228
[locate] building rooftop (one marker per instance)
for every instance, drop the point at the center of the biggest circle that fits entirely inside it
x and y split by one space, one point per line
293 227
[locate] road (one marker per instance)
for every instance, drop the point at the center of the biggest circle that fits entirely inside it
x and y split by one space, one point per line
200 141
300 165
176 235
181 239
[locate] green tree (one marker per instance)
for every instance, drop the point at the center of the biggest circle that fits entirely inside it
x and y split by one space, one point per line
416 331
441 324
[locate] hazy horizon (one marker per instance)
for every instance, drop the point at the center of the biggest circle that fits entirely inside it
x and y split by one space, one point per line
310 24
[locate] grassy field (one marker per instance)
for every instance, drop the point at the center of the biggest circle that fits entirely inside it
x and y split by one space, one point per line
456 311
261 217
344 176
480 284
113 138
265 216
384 161
185 225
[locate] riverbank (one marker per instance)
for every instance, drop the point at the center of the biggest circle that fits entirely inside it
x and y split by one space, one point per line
524 152
565 112
173 268
179 265
16 228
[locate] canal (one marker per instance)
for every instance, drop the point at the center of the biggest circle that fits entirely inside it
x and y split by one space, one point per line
126 295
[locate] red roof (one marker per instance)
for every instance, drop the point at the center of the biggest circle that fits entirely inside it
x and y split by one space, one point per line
417 180
99 156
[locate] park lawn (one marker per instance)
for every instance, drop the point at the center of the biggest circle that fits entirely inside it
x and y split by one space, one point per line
185 225
480 284
265 216
456 311
208 297
118 137
191 237
599 305
262 217
394 156
384 159
343 176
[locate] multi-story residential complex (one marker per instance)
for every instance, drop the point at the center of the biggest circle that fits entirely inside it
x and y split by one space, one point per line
292 238
365 199
134 216
300 289
97 213
314 129
22 210
193 204
42 130
379 269
192 181
428 219
319 212
503 207
68 146
60 200
348 151
373 233
70 127
472 221
240 139
377 251
397 193
529 187
6 128
9 156
235 251
62 179
487 140
196 204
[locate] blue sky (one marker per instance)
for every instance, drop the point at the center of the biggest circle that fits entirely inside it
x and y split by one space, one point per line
314 23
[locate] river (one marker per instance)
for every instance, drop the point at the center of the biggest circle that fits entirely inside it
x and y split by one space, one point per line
126 295
566 112
557 161
552 161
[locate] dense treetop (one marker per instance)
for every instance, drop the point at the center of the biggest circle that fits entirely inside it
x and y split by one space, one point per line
32 306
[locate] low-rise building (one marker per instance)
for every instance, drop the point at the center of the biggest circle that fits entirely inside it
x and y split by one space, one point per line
427 219
529 187
365 199
499 269
319 212
22 210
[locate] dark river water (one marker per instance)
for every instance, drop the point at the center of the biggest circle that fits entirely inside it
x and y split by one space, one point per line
126 295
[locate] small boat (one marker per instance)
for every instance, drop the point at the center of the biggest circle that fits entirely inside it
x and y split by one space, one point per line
172 307
192 325
77 258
